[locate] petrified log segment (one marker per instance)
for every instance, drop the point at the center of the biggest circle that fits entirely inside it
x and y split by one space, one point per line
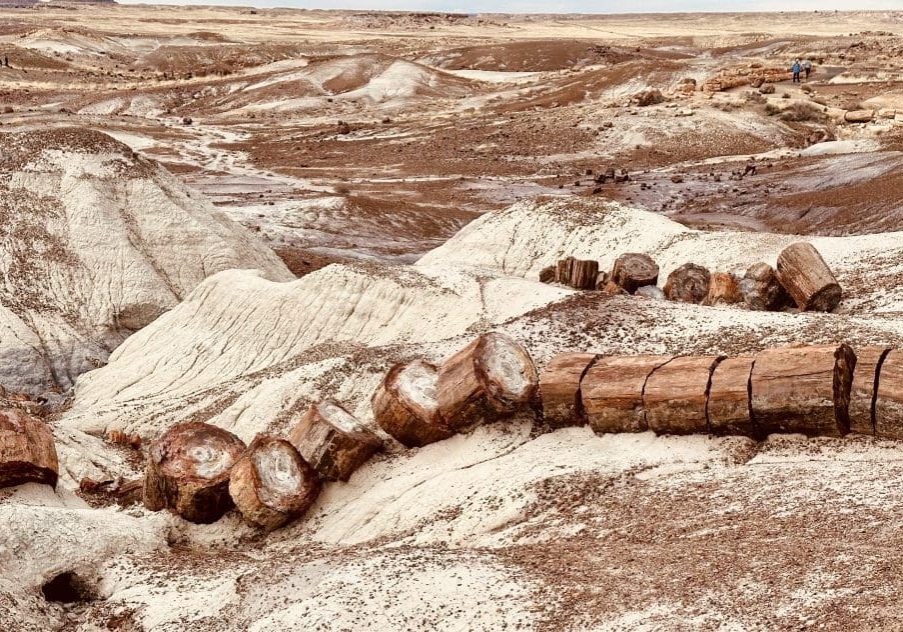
271 484
862 393
634 270
333 441
490 378
547 274
612 392
675 395
188 471
889 402
584 274
689 284
27 451
406 407
761 289
728 406
724 289
805 389
807 278
564 270
559 385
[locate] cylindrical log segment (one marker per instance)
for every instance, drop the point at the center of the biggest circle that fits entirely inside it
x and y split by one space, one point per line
728 406
862 393
271 484
689 284
675 395
547 274
761 289
804 389
490 378
724 289
564 270
333 441
584 274
405 404
807 278
27 451
559 385
634 270
612 392
889 402
188 471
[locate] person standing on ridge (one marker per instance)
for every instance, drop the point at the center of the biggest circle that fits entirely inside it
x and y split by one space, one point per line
807 68
795 69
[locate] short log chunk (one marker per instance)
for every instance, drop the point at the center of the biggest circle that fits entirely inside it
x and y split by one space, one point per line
889 402
688 284
761 289
188 471
724 289
634 270
807 278
803 389
491 378
405 404
862 393
612 392
584 274
27 451
271 484
675 395
728 405
559 386
547 274
564 270
333 441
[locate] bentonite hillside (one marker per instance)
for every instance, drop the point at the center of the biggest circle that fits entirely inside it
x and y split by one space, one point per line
394 321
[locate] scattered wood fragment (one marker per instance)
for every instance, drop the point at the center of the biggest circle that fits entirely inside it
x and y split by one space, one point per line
807 278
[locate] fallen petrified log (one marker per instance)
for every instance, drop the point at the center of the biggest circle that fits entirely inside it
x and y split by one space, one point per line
803 389
889 400
675 395
859 116
491 378
807 278
406 407
761 289
559 386
728 407
634 270
333 441
547 274
584 274
188 471
271 484
564 270
862 393
724 289
612 392
689 284
27 451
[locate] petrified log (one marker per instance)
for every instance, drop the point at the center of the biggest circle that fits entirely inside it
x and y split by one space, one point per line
564 270
27 451
859 116
333 441
406 407
728 406
612 392
724 289
889 401
490 378
803 389
547 274
675 395
584 274
188 471
634 270
807 278
559 386
761 289
862 393
689 284
271 484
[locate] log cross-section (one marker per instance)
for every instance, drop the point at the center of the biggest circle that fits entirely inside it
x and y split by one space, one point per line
405 405
27 451
188 471
675 395
559 386
271 484
689 284
803 389
633 270
863 392
728 406
612 392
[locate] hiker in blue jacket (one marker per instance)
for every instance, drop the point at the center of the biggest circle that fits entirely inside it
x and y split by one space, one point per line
796 69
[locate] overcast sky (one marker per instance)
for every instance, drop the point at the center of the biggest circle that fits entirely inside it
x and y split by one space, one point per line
563 6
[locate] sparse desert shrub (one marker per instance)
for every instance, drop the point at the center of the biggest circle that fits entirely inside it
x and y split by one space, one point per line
804 113
786 95
767 88
771 109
